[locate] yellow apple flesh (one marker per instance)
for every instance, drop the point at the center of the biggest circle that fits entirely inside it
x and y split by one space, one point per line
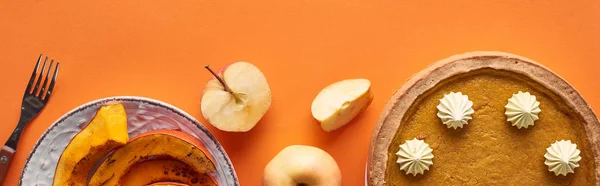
340 102
239 103
302 165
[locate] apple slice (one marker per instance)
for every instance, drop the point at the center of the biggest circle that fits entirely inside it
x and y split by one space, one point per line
338 103
236 98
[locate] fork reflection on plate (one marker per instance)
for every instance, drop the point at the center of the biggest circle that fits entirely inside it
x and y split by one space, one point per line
34 100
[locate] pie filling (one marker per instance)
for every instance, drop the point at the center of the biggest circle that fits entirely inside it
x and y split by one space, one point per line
489 150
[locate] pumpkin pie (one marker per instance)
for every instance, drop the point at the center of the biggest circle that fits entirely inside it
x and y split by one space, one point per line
495 143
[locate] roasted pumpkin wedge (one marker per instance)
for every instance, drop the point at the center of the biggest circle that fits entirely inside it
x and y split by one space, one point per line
161 170
106 131
168 184
169 144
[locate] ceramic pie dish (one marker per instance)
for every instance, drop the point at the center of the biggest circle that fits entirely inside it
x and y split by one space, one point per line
488 150
143 115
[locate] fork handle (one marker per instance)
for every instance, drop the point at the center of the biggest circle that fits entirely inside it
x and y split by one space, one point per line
6 155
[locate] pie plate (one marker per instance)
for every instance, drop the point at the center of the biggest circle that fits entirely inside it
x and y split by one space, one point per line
490 148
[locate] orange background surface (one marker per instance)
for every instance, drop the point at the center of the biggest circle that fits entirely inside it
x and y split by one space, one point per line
158 49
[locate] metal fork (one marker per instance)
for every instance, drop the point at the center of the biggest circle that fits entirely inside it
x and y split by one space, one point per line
34 100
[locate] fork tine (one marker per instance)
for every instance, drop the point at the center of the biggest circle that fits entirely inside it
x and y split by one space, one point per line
51 87
46 79
37 84
28 89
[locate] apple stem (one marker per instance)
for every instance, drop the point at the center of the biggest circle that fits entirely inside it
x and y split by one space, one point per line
220 80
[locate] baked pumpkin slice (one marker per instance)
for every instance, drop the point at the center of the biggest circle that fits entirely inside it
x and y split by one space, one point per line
164 170
167 144
474 119
168 184
105 132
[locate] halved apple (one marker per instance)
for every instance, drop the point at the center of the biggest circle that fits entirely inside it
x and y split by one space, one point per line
168 144
106 131
236 98
340 102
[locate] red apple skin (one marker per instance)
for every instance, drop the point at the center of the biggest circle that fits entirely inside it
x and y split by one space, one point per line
222 69
219 73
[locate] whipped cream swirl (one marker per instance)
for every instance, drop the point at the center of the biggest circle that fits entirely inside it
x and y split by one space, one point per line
415 156
455 110
562 157
522 110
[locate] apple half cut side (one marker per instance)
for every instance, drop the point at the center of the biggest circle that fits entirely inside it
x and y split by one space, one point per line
236 98
339 103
